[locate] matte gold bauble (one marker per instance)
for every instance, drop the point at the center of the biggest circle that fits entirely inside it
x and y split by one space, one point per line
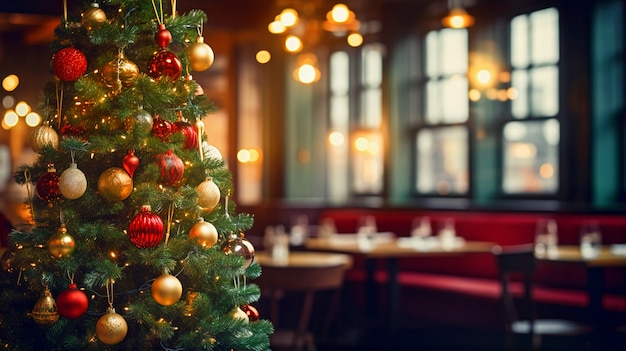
204 233
42 136
120 69
94 17
111 328
115 184
208 194
45 310
239 314
72 182
166 290
200 55
61 244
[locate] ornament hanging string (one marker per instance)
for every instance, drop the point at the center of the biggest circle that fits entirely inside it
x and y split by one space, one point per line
173 8
170 215
28 193
70 276
109 287
59 97
65 12
158 12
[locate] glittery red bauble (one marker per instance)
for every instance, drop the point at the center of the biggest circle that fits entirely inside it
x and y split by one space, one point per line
146 229
71 130
165 63
251 311
161 128
190 134
163 37
172 167
69 64
72 302
130 162
48 186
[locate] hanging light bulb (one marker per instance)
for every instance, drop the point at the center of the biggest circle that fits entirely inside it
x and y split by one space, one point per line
340 13
457 16
355 39
288 17
293 44
307 71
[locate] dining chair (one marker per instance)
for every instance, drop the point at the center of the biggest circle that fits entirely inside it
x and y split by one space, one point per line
516 264
276 282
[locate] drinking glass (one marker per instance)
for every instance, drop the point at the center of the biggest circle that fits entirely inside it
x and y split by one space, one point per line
590 239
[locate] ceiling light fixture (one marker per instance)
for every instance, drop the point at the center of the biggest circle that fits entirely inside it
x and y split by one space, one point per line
457 16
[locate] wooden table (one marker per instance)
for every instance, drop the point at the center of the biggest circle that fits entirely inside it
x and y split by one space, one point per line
385 246
607 256
306 272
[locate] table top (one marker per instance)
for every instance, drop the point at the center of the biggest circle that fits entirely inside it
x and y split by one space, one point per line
607 256
387 246
303 259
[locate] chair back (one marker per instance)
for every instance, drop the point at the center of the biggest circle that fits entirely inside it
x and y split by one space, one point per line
513 262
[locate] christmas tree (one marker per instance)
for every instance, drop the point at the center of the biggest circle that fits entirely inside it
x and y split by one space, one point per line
134 244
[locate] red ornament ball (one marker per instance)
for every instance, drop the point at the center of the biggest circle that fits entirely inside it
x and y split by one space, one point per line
165 63
146 229
48 186
161 128
69 64
190 134
251 311
163 37
72 302
171 166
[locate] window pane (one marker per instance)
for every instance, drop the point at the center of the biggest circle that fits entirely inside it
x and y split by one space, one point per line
372 64
367 162
453 57
531 157
432 55
519 81
339 73
433 101
339 111
442 160
519 42
544 36
454 102
544 93
371 108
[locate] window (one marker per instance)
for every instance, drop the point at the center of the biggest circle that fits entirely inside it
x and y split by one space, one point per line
442 139
531 139
355 162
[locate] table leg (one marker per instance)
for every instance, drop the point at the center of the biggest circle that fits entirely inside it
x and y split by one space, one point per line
394 295
595 286
371 289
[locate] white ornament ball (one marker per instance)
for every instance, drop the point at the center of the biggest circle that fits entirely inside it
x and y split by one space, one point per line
72 182
238 313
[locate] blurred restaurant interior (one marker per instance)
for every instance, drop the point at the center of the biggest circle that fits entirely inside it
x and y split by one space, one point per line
416 140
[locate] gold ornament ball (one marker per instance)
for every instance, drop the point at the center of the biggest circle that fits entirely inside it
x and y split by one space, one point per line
72 182
45 310
204 233
120 69
238 313
166 290
42 136
208 194
115 184
111 328
61 244
200 55
94 17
